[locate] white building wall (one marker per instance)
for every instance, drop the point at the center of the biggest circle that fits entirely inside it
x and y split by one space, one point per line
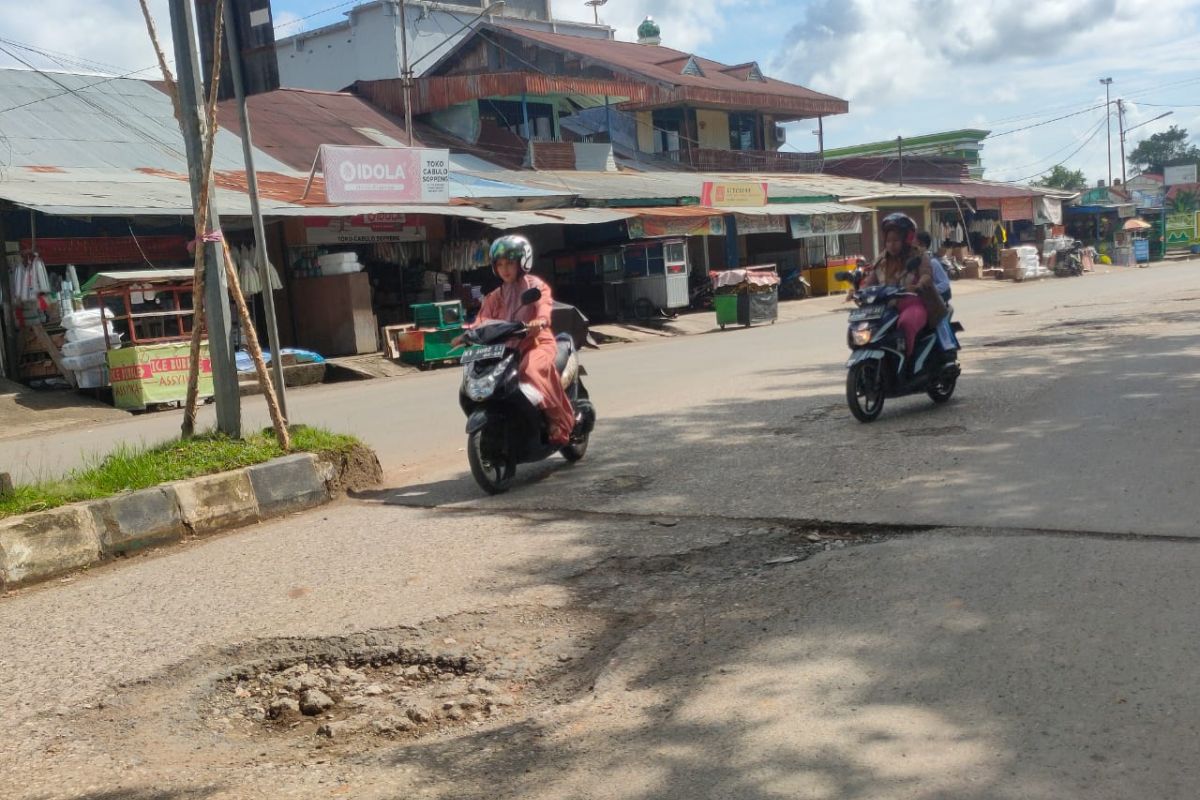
366 46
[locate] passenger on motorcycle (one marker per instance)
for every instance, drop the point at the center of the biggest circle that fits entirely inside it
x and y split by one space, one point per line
899 247
941 281
512 259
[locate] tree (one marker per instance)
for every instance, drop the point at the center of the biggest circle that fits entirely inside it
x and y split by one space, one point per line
1169 148
1070 180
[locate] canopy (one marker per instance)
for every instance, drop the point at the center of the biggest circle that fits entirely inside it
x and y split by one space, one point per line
1137 225
135 277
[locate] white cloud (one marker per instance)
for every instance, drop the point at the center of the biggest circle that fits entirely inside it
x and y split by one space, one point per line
686 24
95 36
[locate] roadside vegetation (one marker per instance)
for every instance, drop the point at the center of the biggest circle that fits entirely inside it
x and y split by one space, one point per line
131 468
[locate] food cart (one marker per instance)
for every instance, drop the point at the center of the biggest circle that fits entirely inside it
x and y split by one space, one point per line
745 296
656 272
151 310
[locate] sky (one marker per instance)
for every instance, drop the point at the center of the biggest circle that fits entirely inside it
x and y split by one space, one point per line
907 67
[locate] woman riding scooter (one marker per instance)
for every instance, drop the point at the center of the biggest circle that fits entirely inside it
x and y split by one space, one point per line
890 269
512 259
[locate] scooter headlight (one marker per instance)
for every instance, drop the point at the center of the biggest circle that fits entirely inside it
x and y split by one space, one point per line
861 335
480 388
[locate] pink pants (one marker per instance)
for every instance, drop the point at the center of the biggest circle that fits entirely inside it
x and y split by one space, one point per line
912 320
537 369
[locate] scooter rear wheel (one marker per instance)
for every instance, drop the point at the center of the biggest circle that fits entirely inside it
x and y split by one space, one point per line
864 394
493 478
943 390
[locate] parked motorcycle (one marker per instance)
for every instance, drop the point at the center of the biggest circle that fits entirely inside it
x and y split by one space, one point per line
793 286
878 366
504 427
1068 262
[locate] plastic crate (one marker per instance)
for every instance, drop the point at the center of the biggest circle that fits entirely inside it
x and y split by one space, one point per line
438 316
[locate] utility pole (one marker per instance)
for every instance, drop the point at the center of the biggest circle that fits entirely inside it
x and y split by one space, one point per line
1108 123
1121 128
900 157
405 74
260 233
216 291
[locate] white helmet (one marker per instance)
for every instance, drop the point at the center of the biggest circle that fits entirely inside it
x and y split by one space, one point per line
516 248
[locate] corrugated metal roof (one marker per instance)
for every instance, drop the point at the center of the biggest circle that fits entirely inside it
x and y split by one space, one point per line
974 190
557 216
664 65
788 209
440 92
640 186
85 121
291 124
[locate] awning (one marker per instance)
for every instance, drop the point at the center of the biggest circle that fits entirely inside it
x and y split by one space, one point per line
505 220
133 277
801 209
1137 225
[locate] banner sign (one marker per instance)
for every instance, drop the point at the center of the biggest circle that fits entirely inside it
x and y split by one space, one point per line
807 226
1176 175
364 229
110 249
358 175
1148 199
748 225
1016 208
1181 228
146 374
737 194
652 227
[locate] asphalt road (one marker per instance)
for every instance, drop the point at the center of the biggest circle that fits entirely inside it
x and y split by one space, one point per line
1033 636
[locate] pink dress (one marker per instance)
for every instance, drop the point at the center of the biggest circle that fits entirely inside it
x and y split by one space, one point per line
537 353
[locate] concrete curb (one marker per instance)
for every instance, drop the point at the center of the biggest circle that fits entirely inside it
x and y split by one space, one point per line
41 545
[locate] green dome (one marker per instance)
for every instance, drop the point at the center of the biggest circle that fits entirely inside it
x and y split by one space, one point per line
649 29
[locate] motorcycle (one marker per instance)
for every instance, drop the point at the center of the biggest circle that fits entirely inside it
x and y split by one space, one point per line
878 366
1068 263
794 286
504 426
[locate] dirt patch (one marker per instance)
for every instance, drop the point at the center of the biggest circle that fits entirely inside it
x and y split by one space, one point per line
623 484
354 470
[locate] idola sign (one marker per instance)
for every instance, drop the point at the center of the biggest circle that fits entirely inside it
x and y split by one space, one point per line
358 175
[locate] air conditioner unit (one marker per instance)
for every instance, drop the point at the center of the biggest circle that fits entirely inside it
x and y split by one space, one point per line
780 134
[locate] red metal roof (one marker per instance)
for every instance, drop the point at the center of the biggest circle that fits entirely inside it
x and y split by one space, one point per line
721 84
290 124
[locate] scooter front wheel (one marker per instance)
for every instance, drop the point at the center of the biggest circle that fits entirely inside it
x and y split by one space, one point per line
494 477
864 392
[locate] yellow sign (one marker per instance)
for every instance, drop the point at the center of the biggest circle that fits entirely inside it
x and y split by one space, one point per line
148 374
738 194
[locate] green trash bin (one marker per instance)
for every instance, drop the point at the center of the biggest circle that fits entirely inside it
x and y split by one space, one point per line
726 306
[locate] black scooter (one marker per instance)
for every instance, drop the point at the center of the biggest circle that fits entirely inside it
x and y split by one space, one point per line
504 426
1068 262
878 366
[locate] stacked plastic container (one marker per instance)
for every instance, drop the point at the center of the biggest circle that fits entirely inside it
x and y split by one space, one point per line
85 351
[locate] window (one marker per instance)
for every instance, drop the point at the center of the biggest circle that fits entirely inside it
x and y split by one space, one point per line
742 132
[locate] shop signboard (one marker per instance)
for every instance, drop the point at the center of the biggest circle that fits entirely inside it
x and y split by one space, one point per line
1173 176
1181 228
733 194
364 229
654 227
1015 208
357 175
254 33
1148 199
150 374
807 226
749 225
89 250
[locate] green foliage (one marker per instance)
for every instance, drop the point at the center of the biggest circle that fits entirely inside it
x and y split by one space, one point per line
1071 180
130 468
1169 148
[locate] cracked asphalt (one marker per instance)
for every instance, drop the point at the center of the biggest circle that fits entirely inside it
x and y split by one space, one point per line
992 599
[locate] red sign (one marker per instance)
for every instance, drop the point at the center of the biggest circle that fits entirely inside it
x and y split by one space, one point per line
356 175
110 249
149 369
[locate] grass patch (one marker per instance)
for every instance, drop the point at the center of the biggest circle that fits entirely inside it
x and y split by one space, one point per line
131 468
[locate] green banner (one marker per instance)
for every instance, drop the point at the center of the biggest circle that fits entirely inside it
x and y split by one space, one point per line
1181 228
157 373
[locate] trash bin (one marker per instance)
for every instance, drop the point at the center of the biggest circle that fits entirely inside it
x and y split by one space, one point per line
745 296
726 306
754 308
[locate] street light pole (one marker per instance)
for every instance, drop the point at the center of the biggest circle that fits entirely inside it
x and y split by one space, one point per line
216 292
405 74
1108 122
1121 129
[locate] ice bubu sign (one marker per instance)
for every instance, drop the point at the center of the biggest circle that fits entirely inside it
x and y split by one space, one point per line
153 374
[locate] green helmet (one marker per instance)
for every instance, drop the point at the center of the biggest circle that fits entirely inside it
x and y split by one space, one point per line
516 248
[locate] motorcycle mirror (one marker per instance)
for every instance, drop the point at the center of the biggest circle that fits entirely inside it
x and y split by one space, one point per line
531 296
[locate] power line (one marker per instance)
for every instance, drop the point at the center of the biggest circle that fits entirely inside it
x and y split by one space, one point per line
80 89
1040 124
298 20
1053 155
1088 141
66 59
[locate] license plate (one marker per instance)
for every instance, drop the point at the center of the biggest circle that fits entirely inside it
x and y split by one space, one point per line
863 314
481 353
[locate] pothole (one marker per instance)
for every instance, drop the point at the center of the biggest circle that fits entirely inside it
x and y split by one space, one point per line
622 484
944 430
